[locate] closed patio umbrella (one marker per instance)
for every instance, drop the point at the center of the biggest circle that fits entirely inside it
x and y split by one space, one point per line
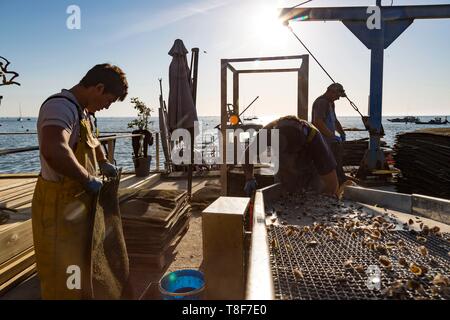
182 112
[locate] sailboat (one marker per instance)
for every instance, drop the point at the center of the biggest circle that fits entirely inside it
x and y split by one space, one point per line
20 117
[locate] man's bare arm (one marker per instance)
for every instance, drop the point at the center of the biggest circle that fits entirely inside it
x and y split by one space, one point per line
56 151
330 183
320 124
99 154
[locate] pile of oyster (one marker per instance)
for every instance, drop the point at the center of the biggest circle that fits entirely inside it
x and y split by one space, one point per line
329 217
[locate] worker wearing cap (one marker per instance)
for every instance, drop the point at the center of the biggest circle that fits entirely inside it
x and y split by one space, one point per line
324 118
67 187
303 157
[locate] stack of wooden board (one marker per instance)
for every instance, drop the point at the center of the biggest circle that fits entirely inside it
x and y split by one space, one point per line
17 261
152 220
354 151
423 156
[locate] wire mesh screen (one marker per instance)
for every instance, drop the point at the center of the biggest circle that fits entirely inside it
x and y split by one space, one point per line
322 262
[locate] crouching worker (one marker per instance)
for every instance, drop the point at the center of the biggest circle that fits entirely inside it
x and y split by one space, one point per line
303 157
64 200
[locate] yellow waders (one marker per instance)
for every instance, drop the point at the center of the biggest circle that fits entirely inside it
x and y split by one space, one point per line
63 222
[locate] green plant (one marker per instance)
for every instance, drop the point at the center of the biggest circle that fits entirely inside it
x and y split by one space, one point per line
144 113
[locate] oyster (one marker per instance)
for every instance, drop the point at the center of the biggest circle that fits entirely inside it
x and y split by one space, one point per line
298 274
416 270
440 280
402 262
385 262
348 264
421 239
359 268
423 251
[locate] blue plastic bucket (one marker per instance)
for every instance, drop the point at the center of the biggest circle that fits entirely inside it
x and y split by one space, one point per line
182 285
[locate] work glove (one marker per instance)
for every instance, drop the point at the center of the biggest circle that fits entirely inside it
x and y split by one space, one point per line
343 137
93 185
107 169
250 187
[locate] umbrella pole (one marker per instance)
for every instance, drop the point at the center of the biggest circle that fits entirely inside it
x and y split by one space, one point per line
190 167
194 72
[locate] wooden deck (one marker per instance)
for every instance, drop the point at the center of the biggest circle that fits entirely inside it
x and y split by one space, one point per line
17 262
18 279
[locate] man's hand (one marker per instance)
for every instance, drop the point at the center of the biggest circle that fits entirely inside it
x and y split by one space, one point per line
107 169
250 187
93 185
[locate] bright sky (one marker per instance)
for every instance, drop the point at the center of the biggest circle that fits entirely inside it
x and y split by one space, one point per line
136 35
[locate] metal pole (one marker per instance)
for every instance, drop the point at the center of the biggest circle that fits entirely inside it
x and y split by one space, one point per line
194 71
157 151
195 53
376 101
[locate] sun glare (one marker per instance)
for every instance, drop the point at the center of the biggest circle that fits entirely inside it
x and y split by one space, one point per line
266 26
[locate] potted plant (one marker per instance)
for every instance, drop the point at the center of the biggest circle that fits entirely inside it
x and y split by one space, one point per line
141 158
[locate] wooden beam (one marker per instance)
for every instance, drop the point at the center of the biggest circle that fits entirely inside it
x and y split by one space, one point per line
302 90
232 69
265 59
269 70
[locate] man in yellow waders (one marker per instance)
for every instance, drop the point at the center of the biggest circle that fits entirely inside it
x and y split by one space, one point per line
63 212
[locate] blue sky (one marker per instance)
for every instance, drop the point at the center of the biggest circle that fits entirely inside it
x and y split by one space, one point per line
137 34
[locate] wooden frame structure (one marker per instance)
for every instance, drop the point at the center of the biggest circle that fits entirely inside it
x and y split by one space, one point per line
226 64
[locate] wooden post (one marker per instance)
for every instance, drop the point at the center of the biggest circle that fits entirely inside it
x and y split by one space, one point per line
111 147
236 92
223 125
303 75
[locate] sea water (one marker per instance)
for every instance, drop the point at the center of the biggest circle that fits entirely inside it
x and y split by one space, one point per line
29 161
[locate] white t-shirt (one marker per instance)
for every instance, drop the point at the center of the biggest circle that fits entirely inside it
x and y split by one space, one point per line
63 113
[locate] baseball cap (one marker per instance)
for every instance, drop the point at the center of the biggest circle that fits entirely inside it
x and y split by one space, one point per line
338 88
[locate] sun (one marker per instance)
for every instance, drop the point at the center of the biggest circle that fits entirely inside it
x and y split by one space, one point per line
266 27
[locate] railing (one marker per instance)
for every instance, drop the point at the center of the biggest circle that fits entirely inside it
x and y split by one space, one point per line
108 142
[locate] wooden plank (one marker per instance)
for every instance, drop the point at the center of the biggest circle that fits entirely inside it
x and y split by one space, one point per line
25 274
19 202
16 265
7 184
8 226
19 175
16 257
8 188
16 195
15 240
